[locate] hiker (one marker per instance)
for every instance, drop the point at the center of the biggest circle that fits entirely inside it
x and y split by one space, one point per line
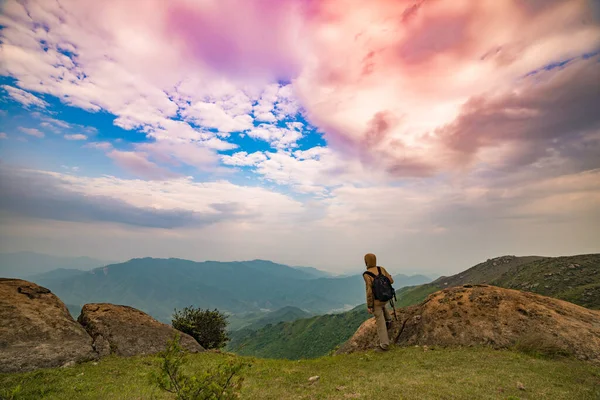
378 306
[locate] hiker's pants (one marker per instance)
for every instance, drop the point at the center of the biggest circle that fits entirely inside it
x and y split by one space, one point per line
381 316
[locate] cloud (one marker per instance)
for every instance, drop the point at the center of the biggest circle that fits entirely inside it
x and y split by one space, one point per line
25 98
277 137
39 195
243 159
139 165
76 136
3 135
32 132
381 94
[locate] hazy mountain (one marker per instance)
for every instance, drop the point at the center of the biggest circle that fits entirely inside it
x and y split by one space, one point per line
316 273
157 286
24 264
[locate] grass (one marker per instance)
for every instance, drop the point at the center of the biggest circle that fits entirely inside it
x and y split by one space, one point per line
402 373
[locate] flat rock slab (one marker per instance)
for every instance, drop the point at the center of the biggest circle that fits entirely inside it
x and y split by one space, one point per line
473 315
126 331
36 329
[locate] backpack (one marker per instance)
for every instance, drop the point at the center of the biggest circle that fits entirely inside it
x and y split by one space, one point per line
382 287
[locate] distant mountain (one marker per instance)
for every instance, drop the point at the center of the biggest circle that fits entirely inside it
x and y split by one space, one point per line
302 338
572 278
316 273
157 286
58 274
24 264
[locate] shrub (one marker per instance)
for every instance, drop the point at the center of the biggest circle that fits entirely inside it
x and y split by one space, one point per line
207 327
221 383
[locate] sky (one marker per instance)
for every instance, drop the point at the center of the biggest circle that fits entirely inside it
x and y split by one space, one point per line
433 133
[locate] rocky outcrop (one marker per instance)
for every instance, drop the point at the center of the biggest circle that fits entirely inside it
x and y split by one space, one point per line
36 329
488 315
126 331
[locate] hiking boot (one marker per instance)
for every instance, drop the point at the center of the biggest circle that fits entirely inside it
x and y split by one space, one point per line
380 349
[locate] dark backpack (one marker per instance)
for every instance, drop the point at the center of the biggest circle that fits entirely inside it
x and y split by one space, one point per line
382 287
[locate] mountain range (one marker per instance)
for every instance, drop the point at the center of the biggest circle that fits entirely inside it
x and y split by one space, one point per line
243 289
572 278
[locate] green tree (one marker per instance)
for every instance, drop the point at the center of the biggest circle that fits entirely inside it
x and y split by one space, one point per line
206 326
221 383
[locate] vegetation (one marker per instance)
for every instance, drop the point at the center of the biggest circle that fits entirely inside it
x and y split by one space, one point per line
408 373
221 383
303 338
206 326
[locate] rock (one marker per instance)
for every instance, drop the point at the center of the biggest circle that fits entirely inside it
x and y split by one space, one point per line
520 386
498 317
313 379
36 329
68 364
126 331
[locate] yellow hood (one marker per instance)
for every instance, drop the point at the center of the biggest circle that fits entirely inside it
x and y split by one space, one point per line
370 260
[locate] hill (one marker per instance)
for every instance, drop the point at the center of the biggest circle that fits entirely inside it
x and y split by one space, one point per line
157 286
256 320
25 264
302 338
502 318
572 278
407 373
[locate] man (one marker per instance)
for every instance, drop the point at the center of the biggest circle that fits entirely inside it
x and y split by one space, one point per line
376 307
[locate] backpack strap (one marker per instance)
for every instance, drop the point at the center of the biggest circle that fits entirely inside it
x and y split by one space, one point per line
372 275
379 270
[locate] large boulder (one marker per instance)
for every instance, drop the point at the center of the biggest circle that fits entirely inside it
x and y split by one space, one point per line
36 329
126 331
488 315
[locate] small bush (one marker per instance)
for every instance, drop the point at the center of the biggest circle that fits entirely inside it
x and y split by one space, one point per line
539 345
207 327
221 383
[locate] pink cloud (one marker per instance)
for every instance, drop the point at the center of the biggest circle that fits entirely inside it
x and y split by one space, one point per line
139 165
243 38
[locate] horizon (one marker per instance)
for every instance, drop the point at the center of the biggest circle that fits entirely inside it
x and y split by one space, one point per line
436 135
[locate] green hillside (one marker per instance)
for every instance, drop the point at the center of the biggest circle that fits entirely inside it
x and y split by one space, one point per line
402 373
572 278
256 320
157 286
303 338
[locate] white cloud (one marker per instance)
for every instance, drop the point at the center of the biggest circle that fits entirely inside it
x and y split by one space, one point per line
277 137
76 136
32 132
25 98
243 159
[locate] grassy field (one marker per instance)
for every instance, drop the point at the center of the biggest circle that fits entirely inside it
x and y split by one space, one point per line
402 373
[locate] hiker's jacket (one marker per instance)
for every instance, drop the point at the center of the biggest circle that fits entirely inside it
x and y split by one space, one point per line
371 263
